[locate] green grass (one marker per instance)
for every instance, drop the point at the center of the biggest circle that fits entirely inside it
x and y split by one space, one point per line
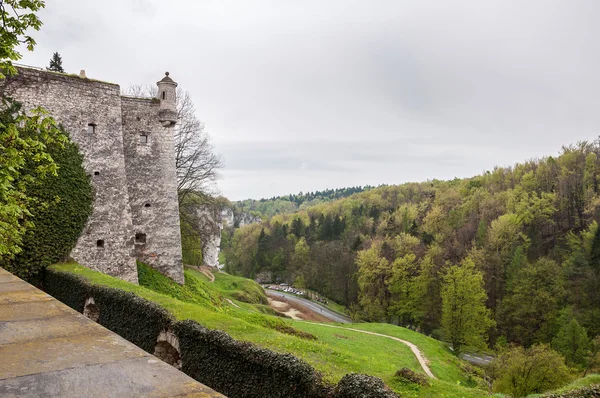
589 380
335 353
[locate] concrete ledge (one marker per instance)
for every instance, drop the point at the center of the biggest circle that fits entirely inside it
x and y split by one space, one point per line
49 350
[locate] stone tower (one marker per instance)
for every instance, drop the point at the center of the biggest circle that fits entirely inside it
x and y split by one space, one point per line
128 149
167 94
148 139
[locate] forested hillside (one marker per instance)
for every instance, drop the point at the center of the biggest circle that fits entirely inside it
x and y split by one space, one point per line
515 250
291 203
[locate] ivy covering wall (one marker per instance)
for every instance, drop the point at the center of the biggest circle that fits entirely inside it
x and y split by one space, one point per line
60 207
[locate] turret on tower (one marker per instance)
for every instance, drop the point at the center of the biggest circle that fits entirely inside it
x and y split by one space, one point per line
167 94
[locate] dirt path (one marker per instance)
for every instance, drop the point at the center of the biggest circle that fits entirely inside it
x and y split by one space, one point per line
232 303
286 309
205 270
414 348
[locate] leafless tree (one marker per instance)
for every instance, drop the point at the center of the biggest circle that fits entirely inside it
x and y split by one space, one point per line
196 161
197 167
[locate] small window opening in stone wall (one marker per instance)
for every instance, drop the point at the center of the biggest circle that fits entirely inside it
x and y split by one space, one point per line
164 95
100 243
167 349
140 238
147 205
143 139
96 173
91 310
91 128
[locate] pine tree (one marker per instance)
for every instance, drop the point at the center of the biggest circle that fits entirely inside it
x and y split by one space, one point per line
56 63
571 340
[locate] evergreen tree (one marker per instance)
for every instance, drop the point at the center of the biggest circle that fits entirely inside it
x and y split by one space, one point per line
465 319
56 63
571 340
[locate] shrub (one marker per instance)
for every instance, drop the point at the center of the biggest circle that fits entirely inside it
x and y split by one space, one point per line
355 385
585 392
519 371
409 375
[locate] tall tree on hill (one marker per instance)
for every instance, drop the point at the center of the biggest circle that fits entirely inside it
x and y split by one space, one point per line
465 319
56 63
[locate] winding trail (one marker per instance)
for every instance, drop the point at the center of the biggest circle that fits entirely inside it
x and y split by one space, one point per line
232 303
413 347
203 269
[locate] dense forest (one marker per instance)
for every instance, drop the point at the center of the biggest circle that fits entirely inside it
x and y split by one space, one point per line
291 203
515 251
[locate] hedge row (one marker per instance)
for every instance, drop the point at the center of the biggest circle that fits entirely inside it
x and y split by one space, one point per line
585 392
138 320
234 368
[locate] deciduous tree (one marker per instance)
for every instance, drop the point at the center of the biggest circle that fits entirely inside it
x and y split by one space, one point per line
465 319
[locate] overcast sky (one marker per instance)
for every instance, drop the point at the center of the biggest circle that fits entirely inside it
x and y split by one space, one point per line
313 94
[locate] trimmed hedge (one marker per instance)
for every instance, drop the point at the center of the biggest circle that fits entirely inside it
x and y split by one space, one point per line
130 316
236 369
356 385
239 369
585 392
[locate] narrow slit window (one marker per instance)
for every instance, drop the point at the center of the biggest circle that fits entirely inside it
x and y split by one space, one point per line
140 238
100 243
143 139
147 205
164 95
91 128
96 173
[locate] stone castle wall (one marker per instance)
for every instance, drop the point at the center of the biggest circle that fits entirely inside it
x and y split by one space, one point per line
152 186
126 174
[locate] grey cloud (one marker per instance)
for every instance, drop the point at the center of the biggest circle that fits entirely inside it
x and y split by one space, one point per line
344 92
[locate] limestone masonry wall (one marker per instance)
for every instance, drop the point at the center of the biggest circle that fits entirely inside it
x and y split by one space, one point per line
127 174
151 180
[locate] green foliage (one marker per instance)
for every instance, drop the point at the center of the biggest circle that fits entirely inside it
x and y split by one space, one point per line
291 203
571 340
588 386
16 18
24 163
191 245
236 368
373 272
61 206
530 309
243 370
56 63
465 319
137 320
364 386
194 291
520 371
529 229
409 376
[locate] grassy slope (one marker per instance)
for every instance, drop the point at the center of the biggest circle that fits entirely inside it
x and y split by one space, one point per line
335 353
589 380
